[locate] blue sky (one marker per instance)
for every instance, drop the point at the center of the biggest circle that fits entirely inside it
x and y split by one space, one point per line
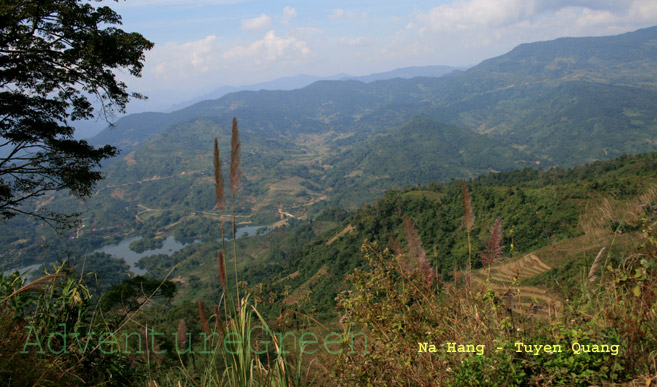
204 44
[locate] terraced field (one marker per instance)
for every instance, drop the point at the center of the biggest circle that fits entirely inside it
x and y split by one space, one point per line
504 278
527 300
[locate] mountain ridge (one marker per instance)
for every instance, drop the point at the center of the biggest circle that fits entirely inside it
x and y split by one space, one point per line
347 142
526 66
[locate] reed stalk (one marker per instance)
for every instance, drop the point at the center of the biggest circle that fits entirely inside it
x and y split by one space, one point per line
219 190
235 174
593 273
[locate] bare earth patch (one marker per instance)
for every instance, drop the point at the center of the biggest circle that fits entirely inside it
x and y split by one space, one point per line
346 230
118 193
130 158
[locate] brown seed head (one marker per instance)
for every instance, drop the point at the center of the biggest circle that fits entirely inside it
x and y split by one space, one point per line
204 320
235 145
218 178
468 213
222 270
181 335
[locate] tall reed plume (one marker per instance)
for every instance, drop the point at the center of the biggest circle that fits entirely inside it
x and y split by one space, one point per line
235 145
204 320
493 250
235 174
218 177
222 269
219 190
416 252
593 273
181 335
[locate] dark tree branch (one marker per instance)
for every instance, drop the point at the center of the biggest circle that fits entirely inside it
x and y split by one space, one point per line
54 54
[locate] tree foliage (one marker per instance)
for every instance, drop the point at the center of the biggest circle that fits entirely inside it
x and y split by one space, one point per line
57 59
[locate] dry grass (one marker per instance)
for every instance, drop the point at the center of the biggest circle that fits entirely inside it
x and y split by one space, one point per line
526 300
598 214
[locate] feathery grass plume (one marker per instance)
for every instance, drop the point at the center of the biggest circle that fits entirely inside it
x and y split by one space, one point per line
219 185
40 285
493 250
416 251
218 177
181 342
412 239
235 145
222 269
204 320
394 245
593 273
181 335
153 351
235 174
469 217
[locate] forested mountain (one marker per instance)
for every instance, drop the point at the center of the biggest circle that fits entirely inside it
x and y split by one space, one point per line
562 102
299 81
422 210
562 215
534 83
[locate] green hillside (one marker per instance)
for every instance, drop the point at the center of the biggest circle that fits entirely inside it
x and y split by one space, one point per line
557 86
362 271
347 142
419 152
569 123
541 211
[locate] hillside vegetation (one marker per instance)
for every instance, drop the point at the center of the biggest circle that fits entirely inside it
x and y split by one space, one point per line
515 202
395 274
344 143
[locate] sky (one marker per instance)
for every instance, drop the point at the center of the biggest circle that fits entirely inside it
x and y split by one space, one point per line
201 45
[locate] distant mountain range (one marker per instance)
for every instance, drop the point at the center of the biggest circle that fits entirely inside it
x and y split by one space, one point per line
544 98
303 80
90 128
345 142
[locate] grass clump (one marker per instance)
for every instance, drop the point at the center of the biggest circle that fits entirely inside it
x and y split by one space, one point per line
461 333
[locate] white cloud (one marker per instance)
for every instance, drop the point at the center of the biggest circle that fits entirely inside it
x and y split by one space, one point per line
181 61
268 49
257 23
340 13
464 15
475 14
643 10
197 62
468 31
289 13
459 32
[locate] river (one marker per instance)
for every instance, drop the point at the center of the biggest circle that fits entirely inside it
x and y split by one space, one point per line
122 250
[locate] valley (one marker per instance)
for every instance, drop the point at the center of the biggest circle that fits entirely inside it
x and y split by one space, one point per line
369 204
